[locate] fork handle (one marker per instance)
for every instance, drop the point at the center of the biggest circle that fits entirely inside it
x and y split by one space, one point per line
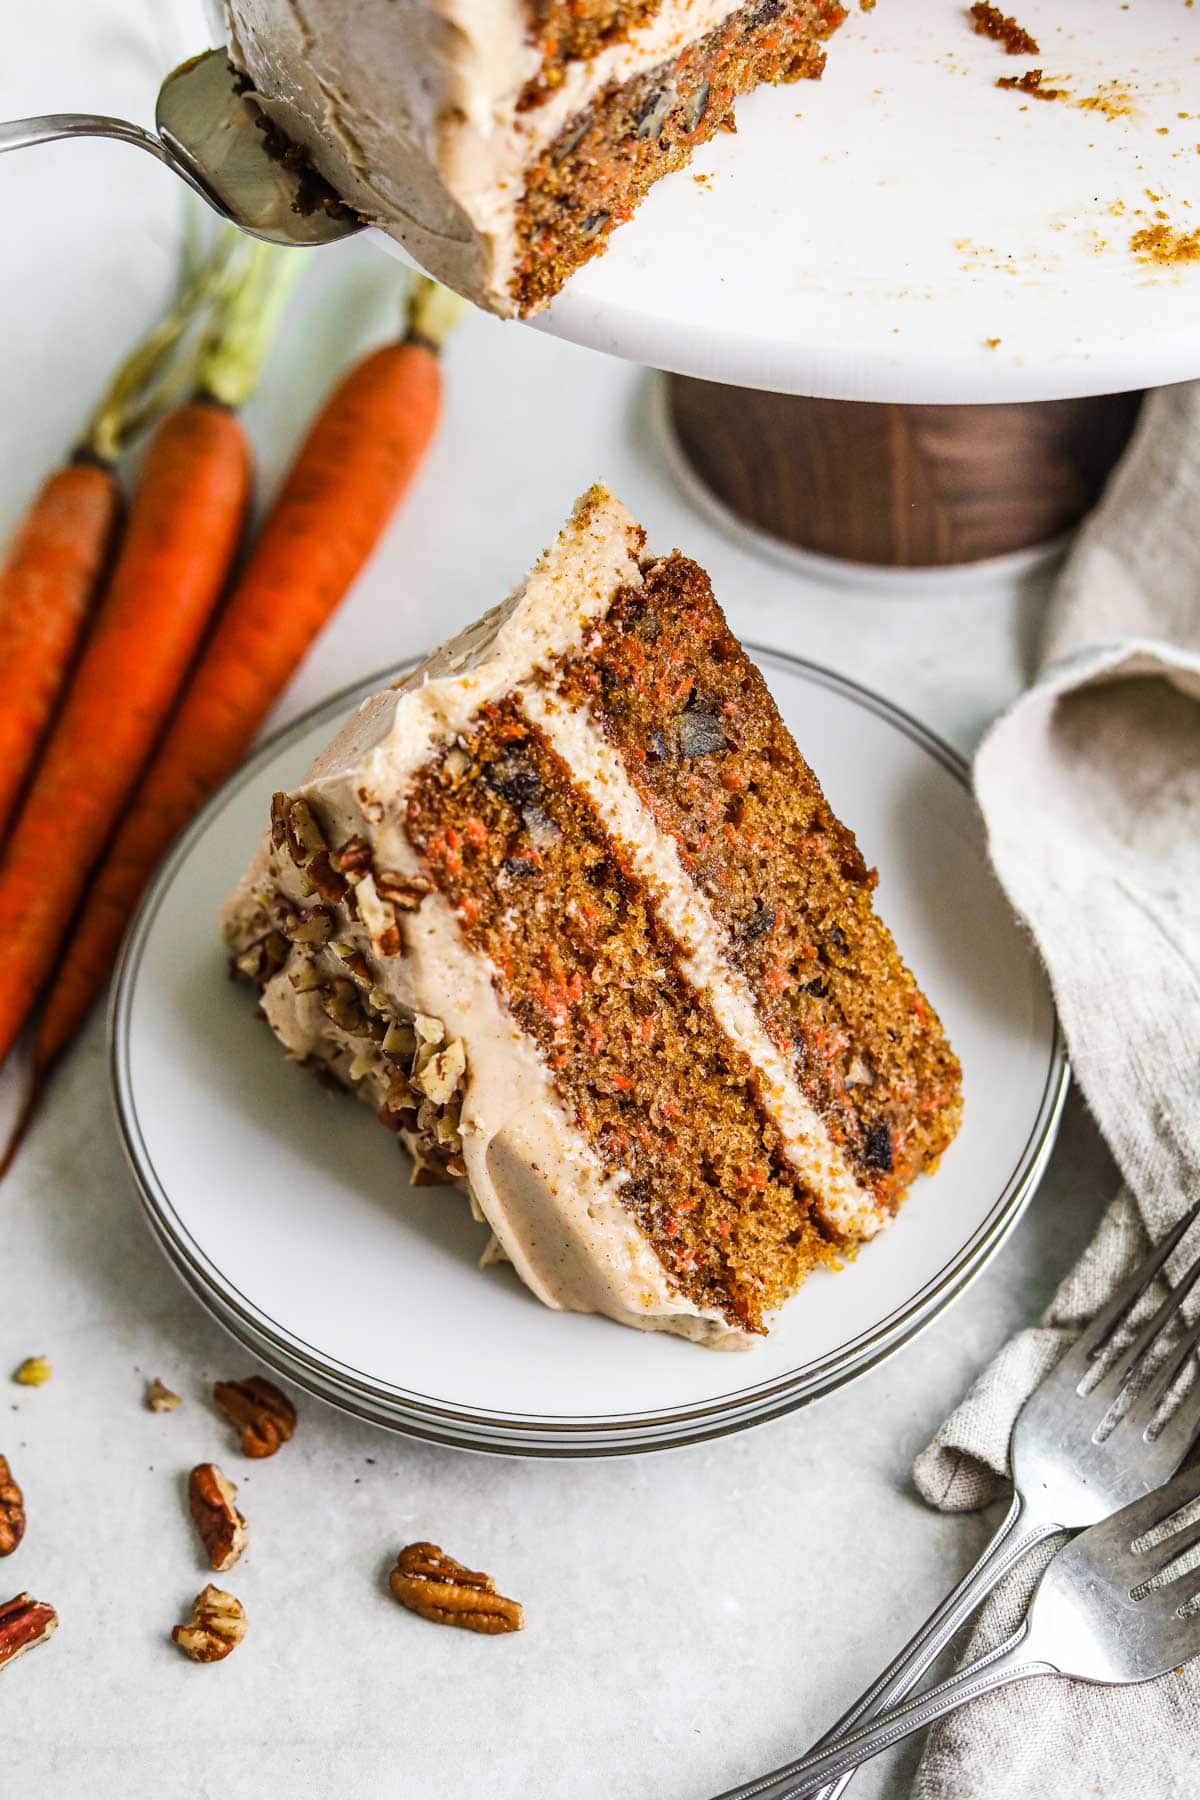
806 1779
1006 1547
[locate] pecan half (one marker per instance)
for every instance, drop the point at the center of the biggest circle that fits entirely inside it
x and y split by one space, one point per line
265 1417
12 1510
221 1526
431 1583
24 1623
217 1626
159 1397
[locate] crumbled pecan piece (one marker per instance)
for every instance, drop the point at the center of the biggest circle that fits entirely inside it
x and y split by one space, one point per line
263 959
340 1002
311 925
400 1040
159 1397
307 977
404 891
305 839
439 1077
324 877
35 1371
355 962
217 1626
431 1583
12 1510
279 808
379 917
353 860
265 1417
221 1526
24 1623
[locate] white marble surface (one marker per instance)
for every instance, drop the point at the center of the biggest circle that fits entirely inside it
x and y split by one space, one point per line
694 1617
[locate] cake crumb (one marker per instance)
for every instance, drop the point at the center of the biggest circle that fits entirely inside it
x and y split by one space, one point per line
1165 244
1031 83
992 343
1112 100
990 22
35 1371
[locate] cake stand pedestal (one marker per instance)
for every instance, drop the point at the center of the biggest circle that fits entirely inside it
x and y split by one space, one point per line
895 485
992 280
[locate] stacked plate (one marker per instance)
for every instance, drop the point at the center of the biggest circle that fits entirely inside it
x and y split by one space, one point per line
289 1215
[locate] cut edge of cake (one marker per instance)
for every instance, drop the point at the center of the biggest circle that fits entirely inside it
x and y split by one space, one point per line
498 148
423 962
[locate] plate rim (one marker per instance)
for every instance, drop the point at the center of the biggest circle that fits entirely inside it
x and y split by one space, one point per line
480 1428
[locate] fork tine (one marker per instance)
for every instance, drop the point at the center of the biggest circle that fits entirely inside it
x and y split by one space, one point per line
1114 1379
1122 1529
1175 1441
1091 1342
1170 1550
1187 1633
1142 1412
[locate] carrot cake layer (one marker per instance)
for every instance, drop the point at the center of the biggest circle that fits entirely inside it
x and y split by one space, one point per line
634 1052
519 907
708 754
568 31
501 141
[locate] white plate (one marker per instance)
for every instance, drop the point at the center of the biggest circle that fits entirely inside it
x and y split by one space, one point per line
289 1212
863 237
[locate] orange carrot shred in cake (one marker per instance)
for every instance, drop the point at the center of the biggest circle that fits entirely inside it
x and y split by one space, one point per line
503 141
569 909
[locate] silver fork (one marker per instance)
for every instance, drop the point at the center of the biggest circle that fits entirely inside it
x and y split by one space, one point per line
1094 1616
1065 1476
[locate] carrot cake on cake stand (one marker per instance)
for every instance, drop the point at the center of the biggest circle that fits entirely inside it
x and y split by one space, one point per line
907 309
911 325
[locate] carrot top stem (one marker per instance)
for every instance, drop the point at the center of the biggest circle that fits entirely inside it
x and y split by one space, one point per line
156 373
248 313
432 312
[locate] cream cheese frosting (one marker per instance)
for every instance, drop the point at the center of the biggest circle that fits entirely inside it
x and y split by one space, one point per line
554 1211
409 108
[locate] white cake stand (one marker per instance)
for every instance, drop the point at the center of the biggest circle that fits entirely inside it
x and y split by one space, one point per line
903 232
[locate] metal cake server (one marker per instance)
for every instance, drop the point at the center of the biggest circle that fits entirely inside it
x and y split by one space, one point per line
1109 1609
207 135
1067 1471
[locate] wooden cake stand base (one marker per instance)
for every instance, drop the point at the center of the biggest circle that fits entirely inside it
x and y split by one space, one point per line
900 486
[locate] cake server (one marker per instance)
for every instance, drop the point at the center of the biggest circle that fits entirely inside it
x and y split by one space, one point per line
1075 1461
1110 1608
206 134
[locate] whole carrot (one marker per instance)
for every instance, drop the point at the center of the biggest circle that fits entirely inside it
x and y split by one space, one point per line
61 550
185 523
47 584
183 528
357 461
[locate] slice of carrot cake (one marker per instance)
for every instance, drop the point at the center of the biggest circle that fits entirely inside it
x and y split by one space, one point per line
570 911
501 141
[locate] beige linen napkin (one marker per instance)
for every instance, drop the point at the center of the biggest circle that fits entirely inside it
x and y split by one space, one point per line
1090 787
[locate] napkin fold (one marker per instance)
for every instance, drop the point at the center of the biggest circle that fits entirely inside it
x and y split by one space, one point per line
1090 788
